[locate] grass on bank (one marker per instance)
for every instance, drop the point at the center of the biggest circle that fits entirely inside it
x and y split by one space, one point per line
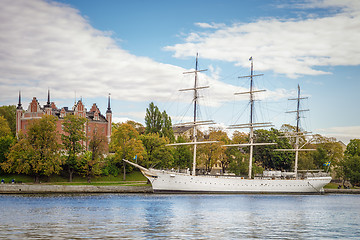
334 185
331 185
132 179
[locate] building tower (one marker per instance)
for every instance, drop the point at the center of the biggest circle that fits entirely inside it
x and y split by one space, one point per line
47 107
109 119
19 113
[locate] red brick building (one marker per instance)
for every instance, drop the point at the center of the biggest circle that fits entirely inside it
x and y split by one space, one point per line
94 117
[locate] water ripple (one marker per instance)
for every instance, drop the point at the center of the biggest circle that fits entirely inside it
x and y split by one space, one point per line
151 216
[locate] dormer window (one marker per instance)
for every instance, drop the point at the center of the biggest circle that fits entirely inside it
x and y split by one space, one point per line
62 113
96 116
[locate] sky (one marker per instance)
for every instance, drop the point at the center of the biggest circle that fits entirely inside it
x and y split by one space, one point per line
137 51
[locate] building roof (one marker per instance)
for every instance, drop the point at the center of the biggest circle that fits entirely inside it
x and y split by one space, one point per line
181 130
93 115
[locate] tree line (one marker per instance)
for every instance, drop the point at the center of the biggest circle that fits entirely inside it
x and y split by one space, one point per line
42 151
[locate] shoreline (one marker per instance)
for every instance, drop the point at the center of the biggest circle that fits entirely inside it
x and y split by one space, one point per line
342 191
38 188
44 189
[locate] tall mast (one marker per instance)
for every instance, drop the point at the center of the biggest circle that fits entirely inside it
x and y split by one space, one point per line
251 125
251 116
195 86
298 129
298 110
195 112
195 123
298 132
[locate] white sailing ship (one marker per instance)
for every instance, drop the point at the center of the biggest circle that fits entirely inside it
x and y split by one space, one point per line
269 182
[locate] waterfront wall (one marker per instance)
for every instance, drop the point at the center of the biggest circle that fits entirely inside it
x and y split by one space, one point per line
42 188
38 188
342 191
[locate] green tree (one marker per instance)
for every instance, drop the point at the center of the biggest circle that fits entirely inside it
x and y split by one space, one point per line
351 162
72 140
9 113
157 122
36 153
238 161
289 131
238 158
110 166
91 164
166 127
240 137
266 156
126 144
138 126
21 158
210 154
4 127
5 144
6 139
153 119
306 159
353 148
222 138
157 154
327 150
182 155
351 166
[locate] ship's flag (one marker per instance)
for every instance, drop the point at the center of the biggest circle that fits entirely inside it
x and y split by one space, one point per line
327 163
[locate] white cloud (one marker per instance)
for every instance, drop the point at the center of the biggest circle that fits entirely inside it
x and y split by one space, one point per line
291 47
347 5
278 94
345 134
120 119
45 44
209 25
131 115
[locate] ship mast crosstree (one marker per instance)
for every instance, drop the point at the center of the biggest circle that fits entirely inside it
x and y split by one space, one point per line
251 125
298 133
195 123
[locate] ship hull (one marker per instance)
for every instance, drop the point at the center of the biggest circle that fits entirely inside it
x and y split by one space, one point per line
164 181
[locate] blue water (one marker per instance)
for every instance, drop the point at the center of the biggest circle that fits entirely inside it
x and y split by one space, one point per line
151 216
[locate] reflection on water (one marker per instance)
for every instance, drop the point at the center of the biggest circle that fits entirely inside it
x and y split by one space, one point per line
179 216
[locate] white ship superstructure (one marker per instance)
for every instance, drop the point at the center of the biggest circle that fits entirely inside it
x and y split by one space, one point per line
170 181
